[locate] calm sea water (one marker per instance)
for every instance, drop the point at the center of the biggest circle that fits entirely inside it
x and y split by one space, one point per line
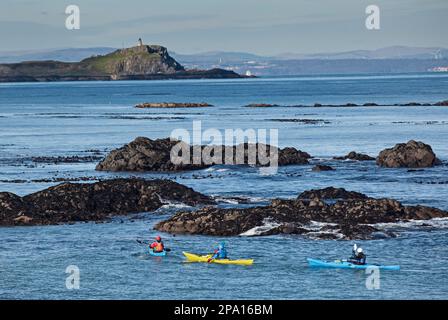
66 119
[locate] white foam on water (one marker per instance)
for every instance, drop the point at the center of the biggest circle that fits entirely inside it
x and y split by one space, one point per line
316 226
439 223
174 205
318 234
268 224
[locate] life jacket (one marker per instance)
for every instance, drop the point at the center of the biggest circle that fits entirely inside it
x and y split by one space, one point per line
158 247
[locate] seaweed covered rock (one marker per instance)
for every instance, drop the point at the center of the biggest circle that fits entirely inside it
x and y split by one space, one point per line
71 202
413 154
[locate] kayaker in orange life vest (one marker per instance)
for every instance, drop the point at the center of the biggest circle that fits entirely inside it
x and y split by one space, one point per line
157 246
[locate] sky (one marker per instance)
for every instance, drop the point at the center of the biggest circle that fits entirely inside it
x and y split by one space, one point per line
265 27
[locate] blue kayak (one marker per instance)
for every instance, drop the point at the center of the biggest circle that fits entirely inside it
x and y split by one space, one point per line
346 265
157 254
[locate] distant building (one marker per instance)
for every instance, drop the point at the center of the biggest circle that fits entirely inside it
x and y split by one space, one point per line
248 73
140 42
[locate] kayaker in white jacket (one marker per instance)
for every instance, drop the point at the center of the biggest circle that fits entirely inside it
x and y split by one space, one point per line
358 256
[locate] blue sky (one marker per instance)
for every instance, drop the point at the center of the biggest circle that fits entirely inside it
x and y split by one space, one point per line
258 26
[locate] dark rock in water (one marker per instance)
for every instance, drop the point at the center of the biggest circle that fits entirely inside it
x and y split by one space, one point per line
442 103
61 159
144 154
261 105
321 167
370 104
410 104
72 202
413 154
331 193
353 217
172 105
304 121
355 156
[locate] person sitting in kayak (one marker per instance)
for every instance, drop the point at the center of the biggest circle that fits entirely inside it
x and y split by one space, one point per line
358 256
157 246
219 253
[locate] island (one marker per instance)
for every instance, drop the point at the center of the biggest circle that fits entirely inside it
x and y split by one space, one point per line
142 62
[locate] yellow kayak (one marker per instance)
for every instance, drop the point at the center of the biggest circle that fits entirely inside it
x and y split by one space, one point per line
195 258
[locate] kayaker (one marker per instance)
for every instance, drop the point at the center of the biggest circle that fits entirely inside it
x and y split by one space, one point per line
219 253
358 256
157 246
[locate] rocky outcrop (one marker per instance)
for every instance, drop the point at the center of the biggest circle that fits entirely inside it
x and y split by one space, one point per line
144 154
327 213
261 105
355 156
331 193
322 167
172 105
442 103
412 154
72 202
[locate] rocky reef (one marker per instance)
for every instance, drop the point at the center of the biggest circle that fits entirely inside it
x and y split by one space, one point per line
172 105
74 202
144 154
413 154
355 156
330 213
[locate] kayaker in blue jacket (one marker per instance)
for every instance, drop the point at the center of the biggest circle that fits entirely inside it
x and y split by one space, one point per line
358 256
219 253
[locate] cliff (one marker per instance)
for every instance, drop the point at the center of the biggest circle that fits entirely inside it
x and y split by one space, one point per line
146 62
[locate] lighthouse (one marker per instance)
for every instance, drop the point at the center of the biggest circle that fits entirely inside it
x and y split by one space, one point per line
140 42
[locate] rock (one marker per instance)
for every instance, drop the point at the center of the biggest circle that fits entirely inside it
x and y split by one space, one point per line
304 121
71 202
173 105
408 155
353 216
355 156
62 159
261 105
331 193
442 103
144 154
321 167
370 104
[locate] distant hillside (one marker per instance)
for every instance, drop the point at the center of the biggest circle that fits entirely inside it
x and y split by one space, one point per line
394 52
140 62
396 59
63 55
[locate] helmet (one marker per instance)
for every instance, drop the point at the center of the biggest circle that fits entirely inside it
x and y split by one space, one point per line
158 238
221 245
359 250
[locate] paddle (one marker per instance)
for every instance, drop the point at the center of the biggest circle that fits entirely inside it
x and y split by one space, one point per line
145 242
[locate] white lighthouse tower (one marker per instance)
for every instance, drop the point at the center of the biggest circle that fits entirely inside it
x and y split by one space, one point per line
140 42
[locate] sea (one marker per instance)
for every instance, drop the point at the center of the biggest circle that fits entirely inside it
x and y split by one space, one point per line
89 119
